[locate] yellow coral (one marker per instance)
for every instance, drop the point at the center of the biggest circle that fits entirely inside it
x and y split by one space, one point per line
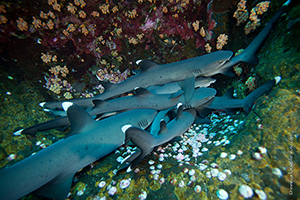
3 19
71 8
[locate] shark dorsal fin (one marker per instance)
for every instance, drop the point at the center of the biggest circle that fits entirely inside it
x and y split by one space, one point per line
107 85
179 112
163 127
99 103
146 65
142 92
229 94
78 117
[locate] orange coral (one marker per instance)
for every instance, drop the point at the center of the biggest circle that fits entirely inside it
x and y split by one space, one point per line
222 40
82 14
2 9
71 8
22 25
3 19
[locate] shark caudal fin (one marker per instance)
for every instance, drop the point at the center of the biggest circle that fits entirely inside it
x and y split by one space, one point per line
263 89
142 139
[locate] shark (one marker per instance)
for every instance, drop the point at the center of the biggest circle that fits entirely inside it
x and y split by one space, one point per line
146 141
229 104
49 172
142 99
153 74
219 62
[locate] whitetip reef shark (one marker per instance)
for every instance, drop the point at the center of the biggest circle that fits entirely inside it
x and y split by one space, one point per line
205 65
49 172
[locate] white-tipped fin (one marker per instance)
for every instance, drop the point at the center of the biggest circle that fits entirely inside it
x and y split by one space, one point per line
66 105
138 62
287 3
178 105
277 79
125 127
47 110
17 133
42 104
128 169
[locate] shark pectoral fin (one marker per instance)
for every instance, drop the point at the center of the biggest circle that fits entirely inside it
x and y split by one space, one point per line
99 103
146 65
163 127
78 117
188 86
142 92
227 72
58 188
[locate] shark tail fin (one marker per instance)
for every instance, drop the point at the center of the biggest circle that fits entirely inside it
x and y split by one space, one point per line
263 89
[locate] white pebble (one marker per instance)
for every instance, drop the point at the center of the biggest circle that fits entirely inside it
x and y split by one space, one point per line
232 156
151 162
261 194
277 172
191 172
246 191
214 172
223 155
222 194
221 176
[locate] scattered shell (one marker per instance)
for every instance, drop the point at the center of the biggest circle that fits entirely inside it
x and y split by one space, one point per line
223 155
43 146
246 191
161 180
262 150
214 165
204 149
261 194
222 194
221 176
143 195
155 177
151 162
277 172
161 159
257 156
185 170
152 167
101 184
208 174
173 181
202 166
193 178
79 193
38 143
192 172
214 172
112 190
239 152
124 183
120 159
205 162
232 156
12 157
136 170
159 166
197 189
181 184
227 171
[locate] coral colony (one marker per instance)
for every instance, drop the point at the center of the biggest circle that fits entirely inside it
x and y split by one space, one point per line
115 33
